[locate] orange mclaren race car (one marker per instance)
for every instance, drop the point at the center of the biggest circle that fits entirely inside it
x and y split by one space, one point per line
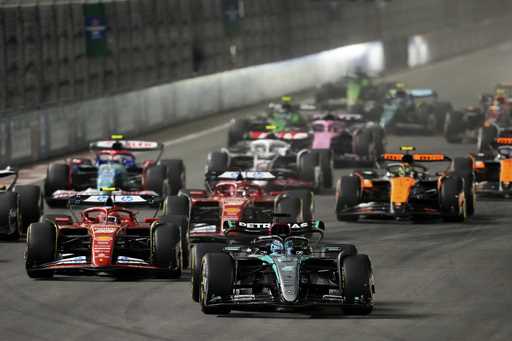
403 188
235 196
493 171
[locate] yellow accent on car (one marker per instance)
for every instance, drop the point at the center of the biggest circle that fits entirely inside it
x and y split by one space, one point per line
117 136
407 148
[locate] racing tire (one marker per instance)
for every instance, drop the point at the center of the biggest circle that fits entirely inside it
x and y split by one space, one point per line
176 205
155 179
357 283
451 189
30 204
10 215
166 248
237 132
175 174
486 138
306 167
452 129
364 145
291 207
57 178
197 252
308 202
217 162
324 161
182 222
41 248
217 277
348 194
463 167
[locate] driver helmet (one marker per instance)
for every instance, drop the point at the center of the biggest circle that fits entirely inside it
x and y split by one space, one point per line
406 170
286 104
276 247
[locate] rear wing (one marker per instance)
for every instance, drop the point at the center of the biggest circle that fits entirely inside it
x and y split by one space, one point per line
422 93
504 141
240 176
129 145
101 198
420 157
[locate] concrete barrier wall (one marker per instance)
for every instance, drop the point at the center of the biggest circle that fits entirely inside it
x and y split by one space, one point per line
56 52
84 99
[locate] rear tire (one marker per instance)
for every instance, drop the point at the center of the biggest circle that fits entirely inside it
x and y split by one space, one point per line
41 248
324 161
486 138
357 284
217 162
306 167
451 209
348 194
237 132
57 178
166 248
30 205
175 174
308 202
463 167
197 252
10 216
154 179
453 130
292 207
176 205
217 276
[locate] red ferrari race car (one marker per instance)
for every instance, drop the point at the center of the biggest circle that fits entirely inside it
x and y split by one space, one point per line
106 239
236 196
115 165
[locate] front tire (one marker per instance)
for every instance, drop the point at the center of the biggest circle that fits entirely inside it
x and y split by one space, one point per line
41 248
452 208
357 284
30 205
217 276
196 255
348 193
175 175
166 248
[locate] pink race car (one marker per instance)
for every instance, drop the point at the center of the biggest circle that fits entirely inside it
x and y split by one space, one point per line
349 137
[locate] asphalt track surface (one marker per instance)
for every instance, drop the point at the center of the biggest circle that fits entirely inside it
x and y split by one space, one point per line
434 281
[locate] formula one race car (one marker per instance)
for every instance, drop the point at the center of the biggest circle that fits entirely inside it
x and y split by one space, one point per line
285 270
349 138
463 125
235 196
20 205
405 189
106 238
302 169
284 121
115 165
493 171
415 110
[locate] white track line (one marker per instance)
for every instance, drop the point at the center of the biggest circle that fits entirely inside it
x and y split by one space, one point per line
28 175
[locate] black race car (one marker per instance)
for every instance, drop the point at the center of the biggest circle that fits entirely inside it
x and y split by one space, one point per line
285 269
20 205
